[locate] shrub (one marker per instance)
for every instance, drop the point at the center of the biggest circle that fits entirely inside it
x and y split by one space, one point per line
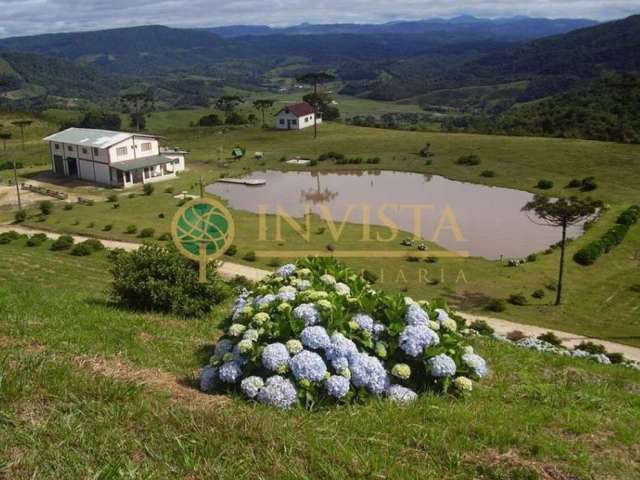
147 233
469 160
64 242
630 216
431 259
116 206
249 256
588 254
107 228
515 335
94 244
132 195
496 305
330 247
160 279
165 237
20 216
538 294
373 161
532 257
36 240
168 190
616 357
545 184
575 183
8 237
274 262
112 198
517 299
412 258
68 206
46 207
182 202
148 189
488 174
551 286
592 348
231 251
551 338
482 327
81 250
131 229
369 276
588 185
635 288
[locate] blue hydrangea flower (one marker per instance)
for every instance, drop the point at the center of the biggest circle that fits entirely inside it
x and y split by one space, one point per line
415 315
364 321
442 366
278 392
308 366
337 386
476 363
340 363
286 271
223 346
341 347
308 313
274 356
368 372
287 294
250 386
264 301
315 338
415 338
251 334
401 395
208 379
442 315
342 289
303 285
229 372
378 329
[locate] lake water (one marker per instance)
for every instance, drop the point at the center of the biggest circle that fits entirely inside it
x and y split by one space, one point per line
490 219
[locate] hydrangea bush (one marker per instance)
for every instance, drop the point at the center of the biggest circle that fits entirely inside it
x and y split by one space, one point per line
316 333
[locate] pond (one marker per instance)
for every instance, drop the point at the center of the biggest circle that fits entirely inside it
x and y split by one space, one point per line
481 220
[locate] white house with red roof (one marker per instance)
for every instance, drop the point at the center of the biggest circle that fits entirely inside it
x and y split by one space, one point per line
296 117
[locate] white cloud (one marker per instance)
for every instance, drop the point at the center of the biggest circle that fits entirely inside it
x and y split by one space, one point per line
27 17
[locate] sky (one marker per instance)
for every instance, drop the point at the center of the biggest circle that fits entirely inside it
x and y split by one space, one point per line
28 17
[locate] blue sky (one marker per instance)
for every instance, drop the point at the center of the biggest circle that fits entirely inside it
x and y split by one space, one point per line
26 17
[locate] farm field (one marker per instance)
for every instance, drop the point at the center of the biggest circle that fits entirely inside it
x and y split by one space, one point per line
83 368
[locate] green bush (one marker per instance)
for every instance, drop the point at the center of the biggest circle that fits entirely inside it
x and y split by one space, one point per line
616 358
169 190
64 242
488 174
46 207
545 184
516 335
107 228
532 257
81 250
20 216
630 216
231 251
482 327
538 294
592 348
131 229
551 338
517 299
68 206
165 237
469 160
148 189
249 256
588 254
496 305
36 240
8 237
147 233
274 262
160 279
94 244
113 197
369 276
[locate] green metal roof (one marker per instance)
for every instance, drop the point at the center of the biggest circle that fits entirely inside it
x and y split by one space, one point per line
128 165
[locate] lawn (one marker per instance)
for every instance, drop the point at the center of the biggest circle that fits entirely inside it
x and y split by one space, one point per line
536 416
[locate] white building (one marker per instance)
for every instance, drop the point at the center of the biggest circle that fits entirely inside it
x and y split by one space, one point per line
116 159
296 117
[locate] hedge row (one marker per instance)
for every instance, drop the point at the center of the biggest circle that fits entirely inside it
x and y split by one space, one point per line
614 236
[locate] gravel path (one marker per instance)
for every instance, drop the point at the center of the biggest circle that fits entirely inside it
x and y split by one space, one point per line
229 270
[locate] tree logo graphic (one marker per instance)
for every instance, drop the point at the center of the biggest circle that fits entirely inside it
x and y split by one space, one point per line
202 230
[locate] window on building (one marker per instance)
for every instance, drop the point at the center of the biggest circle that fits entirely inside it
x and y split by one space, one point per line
70 148
84 150
120 151
282 121
57 146
146 147
95 151
294 122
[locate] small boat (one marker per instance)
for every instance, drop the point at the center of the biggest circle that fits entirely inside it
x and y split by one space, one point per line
240 181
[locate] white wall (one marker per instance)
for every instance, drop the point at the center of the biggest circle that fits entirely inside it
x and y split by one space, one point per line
131 153
302 122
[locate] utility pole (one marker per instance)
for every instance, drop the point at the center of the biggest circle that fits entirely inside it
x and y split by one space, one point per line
15 179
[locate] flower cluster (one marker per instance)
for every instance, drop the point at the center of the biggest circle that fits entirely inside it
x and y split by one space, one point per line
315 332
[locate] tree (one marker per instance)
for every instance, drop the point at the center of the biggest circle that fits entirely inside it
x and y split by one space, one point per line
314 78
137 105
22 124
4 136
563 212
324 104
228 103
262 105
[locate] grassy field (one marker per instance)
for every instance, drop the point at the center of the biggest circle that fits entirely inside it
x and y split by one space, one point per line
536 416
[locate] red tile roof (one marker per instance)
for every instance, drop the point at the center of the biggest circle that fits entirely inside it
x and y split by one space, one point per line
298 109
